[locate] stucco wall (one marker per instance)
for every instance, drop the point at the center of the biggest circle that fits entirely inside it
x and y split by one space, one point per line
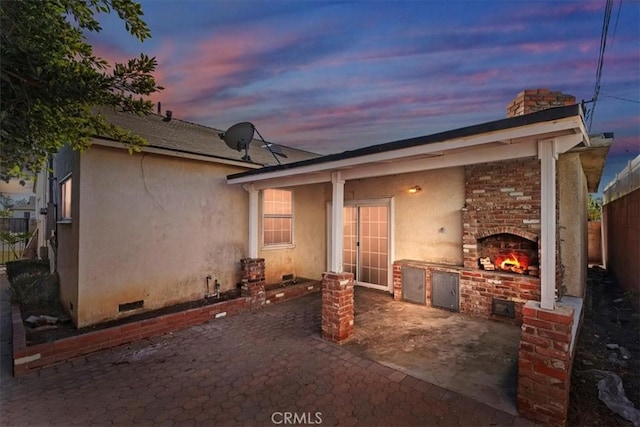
152 228
428 224
67 233
572 223
308 256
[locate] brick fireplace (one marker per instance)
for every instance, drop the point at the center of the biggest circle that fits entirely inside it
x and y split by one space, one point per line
501 231
501 220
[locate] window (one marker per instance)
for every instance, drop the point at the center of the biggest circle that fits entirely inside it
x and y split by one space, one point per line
65 199
277 217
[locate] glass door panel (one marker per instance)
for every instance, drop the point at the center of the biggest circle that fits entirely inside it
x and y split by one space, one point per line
374 248
350 243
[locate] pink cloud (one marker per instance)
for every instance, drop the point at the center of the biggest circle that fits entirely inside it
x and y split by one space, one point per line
543 47
626 144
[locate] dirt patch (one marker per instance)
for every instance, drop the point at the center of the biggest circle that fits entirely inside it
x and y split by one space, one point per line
66 329
611 317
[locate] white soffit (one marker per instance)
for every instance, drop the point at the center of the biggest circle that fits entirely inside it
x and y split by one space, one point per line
504 144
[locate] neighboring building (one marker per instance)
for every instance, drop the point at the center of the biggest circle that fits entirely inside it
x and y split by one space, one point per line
24 208
145 230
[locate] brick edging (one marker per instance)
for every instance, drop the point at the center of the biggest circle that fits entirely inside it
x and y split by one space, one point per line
275 296
29 358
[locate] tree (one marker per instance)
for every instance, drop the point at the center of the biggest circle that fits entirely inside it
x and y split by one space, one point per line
594 207
5 205
52 81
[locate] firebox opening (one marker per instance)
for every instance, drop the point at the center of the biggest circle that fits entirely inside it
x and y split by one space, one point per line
509 253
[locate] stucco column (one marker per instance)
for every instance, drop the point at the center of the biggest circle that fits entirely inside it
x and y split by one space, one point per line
337 221
337 307
548 158
253 220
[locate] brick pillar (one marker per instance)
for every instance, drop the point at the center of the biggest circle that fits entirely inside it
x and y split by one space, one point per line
397 281
252 275
544 363
337 306
532 100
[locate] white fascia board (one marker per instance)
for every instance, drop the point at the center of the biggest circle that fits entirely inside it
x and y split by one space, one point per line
472 157
179 154
583 130
567 142
314 178
528 131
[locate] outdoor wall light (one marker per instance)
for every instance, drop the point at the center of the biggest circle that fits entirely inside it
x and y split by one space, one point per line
415 189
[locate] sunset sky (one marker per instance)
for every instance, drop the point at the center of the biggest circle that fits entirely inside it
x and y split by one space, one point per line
332 76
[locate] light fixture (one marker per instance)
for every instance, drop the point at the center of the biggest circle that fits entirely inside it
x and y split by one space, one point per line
415 189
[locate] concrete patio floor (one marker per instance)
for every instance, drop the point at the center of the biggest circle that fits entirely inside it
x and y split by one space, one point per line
474 357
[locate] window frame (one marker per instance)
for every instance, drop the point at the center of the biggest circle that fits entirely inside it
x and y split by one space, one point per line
264 215
66 199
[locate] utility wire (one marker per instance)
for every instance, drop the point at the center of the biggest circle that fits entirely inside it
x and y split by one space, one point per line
622 99
615 27
603 45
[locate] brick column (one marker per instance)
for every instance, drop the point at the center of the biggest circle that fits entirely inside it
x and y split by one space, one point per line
252 275
544 363
337 306
397 281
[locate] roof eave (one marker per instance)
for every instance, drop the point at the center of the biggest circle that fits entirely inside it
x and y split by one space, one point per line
567 119
178 153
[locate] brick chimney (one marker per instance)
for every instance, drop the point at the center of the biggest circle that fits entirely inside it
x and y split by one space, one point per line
532 100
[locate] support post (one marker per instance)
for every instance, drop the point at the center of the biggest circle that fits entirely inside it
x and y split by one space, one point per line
548 157
253 220
252 274
337 222
337 307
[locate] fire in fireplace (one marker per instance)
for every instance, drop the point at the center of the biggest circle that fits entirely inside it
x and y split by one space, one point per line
508 253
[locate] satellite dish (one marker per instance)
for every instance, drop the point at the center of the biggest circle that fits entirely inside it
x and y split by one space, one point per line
238 137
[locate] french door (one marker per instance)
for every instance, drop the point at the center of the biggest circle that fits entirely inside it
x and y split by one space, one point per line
367 245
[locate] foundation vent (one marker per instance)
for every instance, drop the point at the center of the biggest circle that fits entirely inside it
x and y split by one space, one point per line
130 306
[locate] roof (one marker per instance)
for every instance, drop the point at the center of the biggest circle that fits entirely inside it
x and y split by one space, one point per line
25 205
180 136
465 132
593 159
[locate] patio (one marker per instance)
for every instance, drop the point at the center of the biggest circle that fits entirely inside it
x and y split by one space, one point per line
474 357
251 369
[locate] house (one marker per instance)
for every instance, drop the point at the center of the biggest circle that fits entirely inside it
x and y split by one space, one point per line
139 232
442 202
25 208
146 230
489 220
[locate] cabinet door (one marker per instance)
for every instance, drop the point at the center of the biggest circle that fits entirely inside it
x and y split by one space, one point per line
445 290
413 285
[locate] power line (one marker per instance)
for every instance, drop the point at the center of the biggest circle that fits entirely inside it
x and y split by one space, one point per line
603 45
615 27
622 99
